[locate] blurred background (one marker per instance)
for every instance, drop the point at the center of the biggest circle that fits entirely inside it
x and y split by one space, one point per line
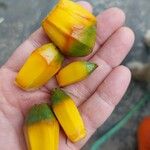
19 18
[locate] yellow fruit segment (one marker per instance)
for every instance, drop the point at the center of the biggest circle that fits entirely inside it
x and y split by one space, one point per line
70 120
74 72
68 115
76 9
43 135
71 27
58 36
40 67
41 129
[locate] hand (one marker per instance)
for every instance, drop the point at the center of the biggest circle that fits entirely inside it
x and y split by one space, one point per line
96 97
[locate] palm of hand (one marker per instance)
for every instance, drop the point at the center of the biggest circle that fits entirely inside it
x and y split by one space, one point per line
95 97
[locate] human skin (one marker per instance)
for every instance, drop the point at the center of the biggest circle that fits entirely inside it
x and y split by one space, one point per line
96 97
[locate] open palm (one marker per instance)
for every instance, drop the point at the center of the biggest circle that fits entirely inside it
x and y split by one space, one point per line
96 97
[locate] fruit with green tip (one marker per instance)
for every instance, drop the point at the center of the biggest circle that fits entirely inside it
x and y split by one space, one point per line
72 28
75 72
41 129
68 115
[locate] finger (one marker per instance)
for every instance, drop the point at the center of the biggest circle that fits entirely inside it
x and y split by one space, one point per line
117 47
104 100
107 23
110 21
37 39
107 52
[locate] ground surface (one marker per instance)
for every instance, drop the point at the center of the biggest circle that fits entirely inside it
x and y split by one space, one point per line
18 18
